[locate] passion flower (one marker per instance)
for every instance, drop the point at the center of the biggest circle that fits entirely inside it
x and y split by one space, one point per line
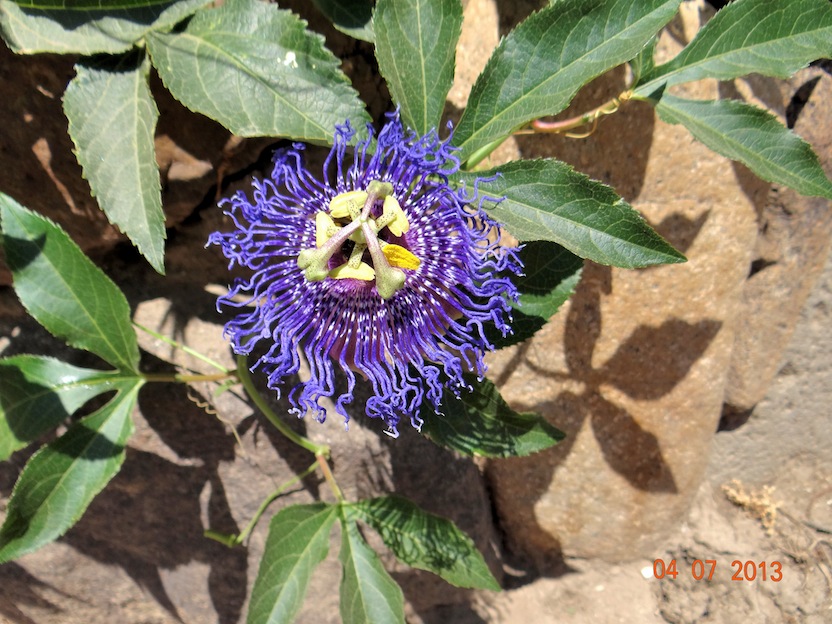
380 268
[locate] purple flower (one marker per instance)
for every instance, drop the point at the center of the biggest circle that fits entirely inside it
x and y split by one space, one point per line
381 269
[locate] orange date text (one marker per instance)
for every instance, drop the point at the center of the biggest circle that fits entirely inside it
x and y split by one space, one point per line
705 569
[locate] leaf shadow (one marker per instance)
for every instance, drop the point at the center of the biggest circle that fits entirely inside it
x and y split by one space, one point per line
149 519
25 251
72 19
20 588
646 366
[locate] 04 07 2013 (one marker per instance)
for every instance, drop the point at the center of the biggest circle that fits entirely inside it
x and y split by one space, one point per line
700 569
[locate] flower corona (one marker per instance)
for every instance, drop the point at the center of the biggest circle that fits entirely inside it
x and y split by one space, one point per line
381 269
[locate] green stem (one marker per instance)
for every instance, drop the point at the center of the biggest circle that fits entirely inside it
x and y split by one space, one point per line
183 347
248 385
236 540
179 378
481 154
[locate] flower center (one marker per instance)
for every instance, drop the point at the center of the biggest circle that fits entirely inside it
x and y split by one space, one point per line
351 228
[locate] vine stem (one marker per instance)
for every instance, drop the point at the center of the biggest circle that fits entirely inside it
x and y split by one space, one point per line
319 450
236 540
179 378
565 126
183 347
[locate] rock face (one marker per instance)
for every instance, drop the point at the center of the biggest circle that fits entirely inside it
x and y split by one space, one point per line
793 242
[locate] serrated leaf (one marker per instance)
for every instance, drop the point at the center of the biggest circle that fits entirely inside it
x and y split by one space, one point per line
551 274
416 51
86 5
59 481
298 541
352 17
480 423
112 121
30 31
549 200
769 37
63 290
38 393
426 541
537 69
752 136
368 593
258 71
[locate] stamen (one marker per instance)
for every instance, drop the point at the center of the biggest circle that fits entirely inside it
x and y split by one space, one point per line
348 204
393 217
325 228
388 259
356 255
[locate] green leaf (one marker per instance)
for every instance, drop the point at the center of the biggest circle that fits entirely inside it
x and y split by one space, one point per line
537 69
85 5
63 290
352 17
258 71
551 274
425 541
112 120
480 423
368 594
416 50
752 136
59 481
298 541
548 200
30 31
38 393
645 61
770 37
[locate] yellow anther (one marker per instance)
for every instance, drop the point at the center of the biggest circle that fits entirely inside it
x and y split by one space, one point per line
400 225
364 272
325 228
400 257
393 217
347 204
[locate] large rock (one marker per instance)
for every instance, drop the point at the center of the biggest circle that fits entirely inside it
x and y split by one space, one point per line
792 245
634 368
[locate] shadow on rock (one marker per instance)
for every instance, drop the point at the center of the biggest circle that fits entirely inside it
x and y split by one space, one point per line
149 517
19 588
